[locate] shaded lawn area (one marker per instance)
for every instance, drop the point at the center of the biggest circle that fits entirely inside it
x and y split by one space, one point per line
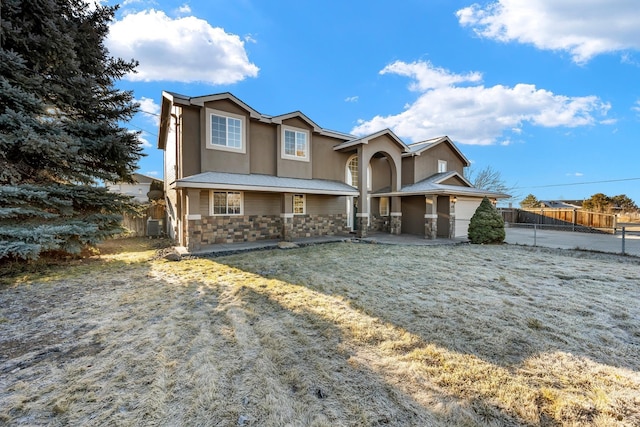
337 334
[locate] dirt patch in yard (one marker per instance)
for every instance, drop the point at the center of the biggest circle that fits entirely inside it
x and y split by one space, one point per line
338 334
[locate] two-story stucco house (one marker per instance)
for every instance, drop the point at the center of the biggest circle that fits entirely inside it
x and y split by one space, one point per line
233 174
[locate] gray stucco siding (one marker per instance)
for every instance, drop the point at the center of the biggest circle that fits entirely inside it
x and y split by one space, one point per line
326 205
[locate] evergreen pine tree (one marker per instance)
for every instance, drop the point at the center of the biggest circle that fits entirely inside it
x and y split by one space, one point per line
487 225
60 132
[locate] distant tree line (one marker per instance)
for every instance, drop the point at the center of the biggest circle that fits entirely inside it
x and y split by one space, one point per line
599 202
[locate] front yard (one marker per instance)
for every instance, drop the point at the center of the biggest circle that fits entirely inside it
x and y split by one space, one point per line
341 334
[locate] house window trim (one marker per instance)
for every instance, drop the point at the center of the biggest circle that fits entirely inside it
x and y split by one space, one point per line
348 178
442 166
212 201
286 156
243 131
386 212
304 204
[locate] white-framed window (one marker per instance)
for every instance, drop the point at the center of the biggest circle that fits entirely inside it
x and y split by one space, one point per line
442 166
225 131
226 203
299 204
384 206
295 144
352 173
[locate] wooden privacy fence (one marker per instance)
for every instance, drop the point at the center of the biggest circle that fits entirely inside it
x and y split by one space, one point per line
573 219
137 225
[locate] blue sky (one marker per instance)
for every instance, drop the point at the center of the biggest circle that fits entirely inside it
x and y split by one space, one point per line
547 92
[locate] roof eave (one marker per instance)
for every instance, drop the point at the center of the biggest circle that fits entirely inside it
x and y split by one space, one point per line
260 188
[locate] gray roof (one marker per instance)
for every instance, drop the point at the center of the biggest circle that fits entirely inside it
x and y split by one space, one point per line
432 185
418 146
560 204
143 179
258 182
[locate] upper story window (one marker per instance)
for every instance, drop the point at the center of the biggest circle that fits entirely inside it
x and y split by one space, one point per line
295 144
442 166
299 204
225 131
352 172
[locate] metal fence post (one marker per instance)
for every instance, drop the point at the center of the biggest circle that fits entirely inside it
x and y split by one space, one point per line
623 233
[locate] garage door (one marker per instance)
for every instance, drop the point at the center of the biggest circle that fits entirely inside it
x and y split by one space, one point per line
465 208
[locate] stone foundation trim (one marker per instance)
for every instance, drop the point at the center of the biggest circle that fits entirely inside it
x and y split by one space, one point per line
430 216
396 214
194 217
287 215
362 215
395 226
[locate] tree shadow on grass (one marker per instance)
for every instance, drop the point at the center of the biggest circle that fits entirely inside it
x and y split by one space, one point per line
527 374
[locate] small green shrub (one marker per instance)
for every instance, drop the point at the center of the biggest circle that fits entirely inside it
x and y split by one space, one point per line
487 225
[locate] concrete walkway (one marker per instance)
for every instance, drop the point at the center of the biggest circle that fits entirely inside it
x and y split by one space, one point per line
514 236
375 238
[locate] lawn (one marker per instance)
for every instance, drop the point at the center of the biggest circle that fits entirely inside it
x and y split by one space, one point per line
344 334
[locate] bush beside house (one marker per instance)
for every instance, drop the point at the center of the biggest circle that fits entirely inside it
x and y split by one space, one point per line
487 225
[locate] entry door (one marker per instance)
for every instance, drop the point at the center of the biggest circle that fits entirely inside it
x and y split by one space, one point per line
352 211
354 220
443 217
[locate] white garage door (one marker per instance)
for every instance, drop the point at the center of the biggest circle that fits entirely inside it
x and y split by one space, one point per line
465 208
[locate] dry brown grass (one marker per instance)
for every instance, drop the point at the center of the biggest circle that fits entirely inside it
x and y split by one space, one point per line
341 334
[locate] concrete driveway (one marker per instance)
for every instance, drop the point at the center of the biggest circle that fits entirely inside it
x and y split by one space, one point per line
573 240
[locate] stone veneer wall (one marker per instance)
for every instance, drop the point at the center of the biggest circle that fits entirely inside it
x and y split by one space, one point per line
318 225
250 228
233 229
379 223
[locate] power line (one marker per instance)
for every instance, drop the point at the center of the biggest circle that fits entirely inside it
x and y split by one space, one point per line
579 183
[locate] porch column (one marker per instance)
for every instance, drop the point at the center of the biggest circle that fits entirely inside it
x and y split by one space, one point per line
431 217
395 223
286 217
362 217
452 217
193 229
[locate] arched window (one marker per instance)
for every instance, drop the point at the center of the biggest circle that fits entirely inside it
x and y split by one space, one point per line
352 172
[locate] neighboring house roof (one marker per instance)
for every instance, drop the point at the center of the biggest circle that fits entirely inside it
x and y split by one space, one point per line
138 178
171 98
433 185
367 138
417 148
258 182
560 204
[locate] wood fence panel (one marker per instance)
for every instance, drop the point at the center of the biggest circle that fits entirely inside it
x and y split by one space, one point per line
137 225
574 218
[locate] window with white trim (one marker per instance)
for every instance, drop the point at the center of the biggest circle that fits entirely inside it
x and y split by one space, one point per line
226 203
384 206
442 166
295 144
225 131
352 173
299 204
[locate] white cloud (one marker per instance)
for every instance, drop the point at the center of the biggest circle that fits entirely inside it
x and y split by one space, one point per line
150 110
351 99
144 142
576 174
183 50
584 28
184 9
426 76
475 114
152 173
